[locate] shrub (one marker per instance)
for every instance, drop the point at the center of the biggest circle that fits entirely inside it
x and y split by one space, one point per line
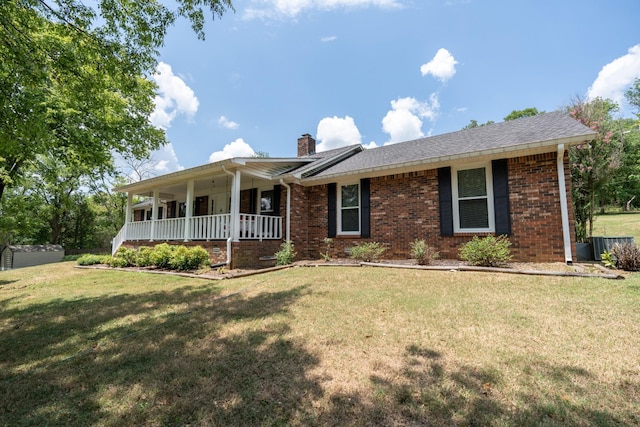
369 251
161 255
126 257
90 259
627 256
184 258
326 255
144 257
490 251
286 254
422 252
116 262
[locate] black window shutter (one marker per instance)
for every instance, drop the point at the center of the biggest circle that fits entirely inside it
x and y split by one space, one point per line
501 196
365 208
277 190
446 201
332 201
253 201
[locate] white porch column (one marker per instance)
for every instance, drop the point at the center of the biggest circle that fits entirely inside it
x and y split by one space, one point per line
235 207
288 218
564 208
189 211
127 213
154 213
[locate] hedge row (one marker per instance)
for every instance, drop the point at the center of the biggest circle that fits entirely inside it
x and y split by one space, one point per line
161 256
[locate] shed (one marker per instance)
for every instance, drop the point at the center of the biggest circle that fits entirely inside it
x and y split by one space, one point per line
18 256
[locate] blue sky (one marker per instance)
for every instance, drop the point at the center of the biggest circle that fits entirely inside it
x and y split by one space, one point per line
380 71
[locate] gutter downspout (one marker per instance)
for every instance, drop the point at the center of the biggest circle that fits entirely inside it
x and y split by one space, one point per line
288 187
230 238
564 209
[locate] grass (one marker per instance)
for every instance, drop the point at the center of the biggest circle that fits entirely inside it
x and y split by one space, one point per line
317 346
618 224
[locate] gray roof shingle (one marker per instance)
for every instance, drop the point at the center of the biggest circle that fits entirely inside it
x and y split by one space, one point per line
542 130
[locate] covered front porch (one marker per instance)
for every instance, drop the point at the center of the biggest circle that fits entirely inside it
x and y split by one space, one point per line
232 201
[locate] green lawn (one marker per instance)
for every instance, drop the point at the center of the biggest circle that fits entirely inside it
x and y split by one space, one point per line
618 224
317 346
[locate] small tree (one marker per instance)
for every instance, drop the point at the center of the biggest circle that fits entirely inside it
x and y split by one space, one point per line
592 164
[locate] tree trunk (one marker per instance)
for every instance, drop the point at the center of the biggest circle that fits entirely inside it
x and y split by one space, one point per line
627 206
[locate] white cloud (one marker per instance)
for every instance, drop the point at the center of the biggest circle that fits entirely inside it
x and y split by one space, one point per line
442 66
264 9
335 132
165 160
616 76
404 121
174 97
237 148
227 124
328 39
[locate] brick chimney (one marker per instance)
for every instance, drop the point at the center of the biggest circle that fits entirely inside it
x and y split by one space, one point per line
306 145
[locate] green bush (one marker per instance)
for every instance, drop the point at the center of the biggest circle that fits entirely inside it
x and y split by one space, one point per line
126 257
116 262
184 258
422 252
490 251
627 256
143 258
367 252
286 254
161 255
90 259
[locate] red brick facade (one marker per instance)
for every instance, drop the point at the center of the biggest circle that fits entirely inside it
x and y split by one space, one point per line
405 207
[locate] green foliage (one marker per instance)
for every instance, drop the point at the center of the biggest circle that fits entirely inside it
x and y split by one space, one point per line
517 114
627 256
474 124
422 252
593 164
489 251
608 260
162 254
128 256
326 255
367 252
184 258
74 79
286 254
90 259
143 258
116 262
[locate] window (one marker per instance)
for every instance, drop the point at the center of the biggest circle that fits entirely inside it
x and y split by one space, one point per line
473 199
266 201
349 209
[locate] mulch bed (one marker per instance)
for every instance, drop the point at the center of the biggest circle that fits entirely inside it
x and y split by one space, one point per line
545 269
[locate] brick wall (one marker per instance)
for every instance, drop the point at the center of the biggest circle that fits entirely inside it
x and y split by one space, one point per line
404 207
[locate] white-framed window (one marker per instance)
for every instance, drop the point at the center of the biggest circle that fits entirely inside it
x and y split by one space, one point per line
472 192
349 209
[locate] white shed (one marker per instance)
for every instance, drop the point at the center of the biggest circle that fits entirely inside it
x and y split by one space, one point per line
18 256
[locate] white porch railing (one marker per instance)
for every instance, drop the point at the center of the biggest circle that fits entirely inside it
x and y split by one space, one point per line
209 227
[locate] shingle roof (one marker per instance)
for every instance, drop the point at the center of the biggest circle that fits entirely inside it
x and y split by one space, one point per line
541 132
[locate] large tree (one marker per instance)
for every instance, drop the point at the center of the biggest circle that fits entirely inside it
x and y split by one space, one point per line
74 81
